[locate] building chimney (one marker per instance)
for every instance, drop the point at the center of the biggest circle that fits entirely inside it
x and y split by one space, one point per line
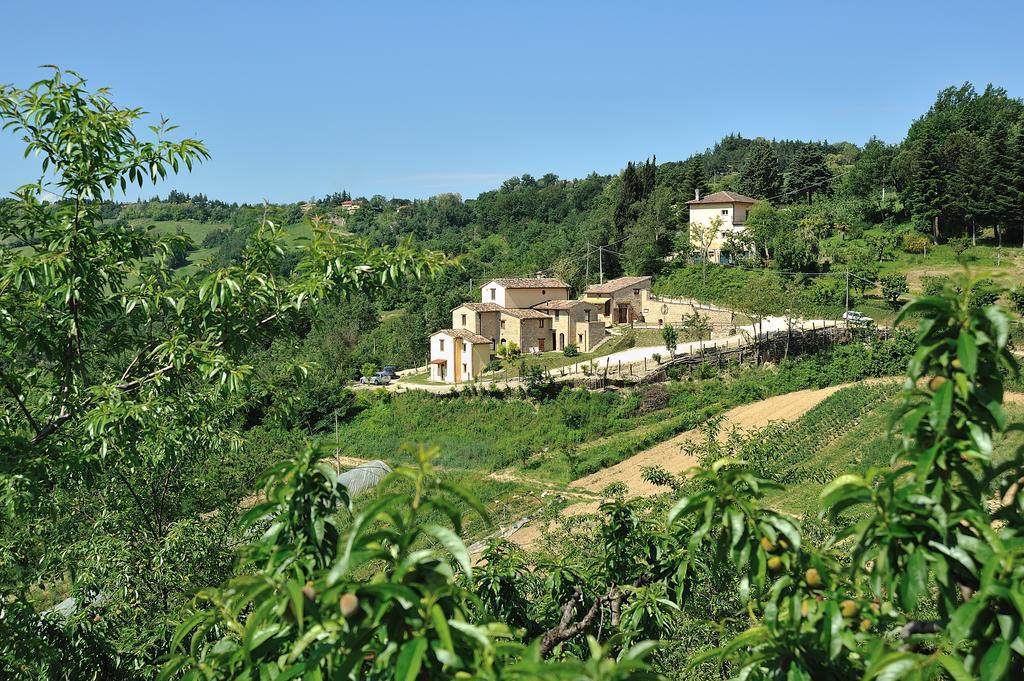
696 194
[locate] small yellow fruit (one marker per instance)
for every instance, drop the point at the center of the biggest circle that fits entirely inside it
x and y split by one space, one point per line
865 624
936 383
767 545
849 608
805 608
812 577
348 604
783 544
956 363
774 563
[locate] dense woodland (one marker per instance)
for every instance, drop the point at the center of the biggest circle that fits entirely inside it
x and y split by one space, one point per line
166 428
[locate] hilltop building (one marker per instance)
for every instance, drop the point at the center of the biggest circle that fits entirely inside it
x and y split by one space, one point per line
731 207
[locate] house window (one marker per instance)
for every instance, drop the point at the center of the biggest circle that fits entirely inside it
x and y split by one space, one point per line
465 347
542 323
494 294
464 370
440 344
725 211
581 337
543 292
558 315
636 292
503 323
588 315
463 320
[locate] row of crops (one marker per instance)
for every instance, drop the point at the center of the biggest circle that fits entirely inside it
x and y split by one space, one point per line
787 452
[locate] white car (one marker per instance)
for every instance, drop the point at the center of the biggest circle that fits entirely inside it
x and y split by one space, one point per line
855 317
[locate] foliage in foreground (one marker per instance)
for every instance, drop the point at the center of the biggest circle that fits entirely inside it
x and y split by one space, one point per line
924 577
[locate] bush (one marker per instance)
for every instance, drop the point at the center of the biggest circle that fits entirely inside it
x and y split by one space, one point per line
912 242
571 350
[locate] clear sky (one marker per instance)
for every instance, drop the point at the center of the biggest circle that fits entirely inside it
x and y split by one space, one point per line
296 99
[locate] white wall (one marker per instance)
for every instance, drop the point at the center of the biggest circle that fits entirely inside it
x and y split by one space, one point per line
448 353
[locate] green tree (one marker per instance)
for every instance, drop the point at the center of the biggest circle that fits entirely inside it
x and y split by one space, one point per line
894 285
760 174
121 379
670 336
808 175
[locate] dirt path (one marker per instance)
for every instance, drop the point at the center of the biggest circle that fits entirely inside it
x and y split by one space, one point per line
669 456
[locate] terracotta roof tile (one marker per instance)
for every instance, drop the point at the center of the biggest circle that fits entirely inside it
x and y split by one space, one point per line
481 307
613 285
559 304
464 334
528 282
723 197
524 314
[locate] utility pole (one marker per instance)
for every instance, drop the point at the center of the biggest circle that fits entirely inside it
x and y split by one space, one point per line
847 290
600 259
588 264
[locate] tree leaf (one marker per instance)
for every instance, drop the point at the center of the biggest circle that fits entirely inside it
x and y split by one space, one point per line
453 544
410 659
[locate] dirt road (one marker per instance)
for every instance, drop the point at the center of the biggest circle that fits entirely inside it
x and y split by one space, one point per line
669 456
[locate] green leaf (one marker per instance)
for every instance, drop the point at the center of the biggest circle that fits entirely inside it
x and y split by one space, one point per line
996 661
849 485
967 352
410 659
955 668
453 544
914 580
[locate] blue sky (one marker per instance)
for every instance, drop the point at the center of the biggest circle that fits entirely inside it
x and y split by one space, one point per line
296 99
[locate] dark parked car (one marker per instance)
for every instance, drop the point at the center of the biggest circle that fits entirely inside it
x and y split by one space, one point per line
391 371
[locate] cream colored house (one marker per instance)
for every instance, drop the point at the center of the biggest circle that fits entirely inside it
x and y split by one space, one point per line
534 313
529 329
731 208
523 292
573 322
458 355
619 301
482 319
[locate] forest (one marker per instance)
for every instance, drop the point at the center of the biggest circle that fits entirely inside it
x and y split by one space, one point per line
172 430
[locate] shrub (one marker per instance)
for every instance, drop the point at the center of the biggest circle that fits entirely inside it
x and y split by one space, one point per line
959 245
571 350
912 242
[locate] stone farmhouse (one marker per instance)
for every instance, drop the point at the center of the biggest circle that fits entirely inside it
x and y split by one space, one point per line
535 313
619 301
731 207
629 300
